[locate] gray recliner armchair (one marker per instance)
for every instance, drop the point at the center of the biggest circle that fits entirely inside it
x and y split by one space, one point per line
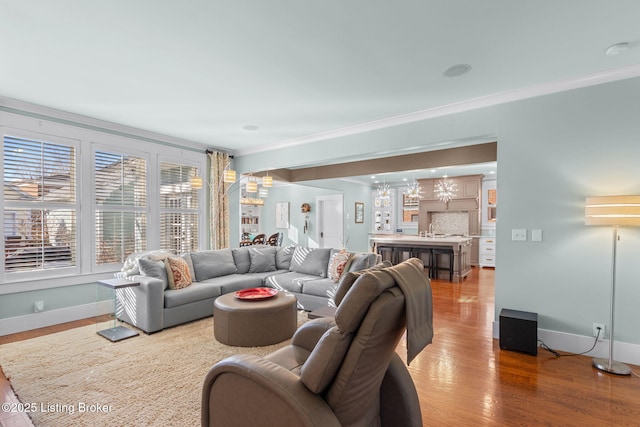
340 371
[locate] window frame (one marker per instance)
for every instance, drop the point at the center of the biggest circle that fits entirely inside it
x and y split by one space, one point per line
39 274
31 121
202 205
95 147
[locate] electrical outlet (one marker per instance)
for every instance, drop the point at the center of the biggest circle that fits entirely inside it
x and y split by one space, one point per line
595 331
519 234
39 306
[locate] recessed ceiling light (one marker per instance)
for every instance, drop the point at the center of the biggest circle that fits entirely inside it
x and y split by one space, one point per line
457 70
617 49
250 127
373 177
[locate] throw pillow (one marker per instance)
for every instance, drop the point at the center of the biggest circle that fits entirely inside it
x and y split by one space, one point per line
312 261
242 259
154 269
209 264
178 273
338 265
263 259
283 257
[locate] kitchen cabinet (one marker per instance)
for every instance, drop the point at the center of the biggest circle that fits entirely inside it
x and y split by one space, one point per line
489 203
383 212
475 251
487 251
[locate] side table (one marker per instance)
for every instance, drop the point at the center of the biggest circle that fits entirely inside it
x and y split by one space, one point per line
117 333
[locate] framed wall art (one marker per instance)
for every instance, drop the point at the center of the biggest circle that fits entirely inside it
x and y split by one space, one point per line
282 215
359 212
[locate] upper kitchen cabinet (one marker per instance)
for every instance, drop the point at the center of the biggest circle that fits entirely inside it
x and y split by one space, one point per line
467 196
489 203
383 211
465 202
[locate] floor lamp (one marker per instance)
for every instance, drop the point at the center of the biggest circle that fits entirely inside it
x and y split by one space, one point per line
614 211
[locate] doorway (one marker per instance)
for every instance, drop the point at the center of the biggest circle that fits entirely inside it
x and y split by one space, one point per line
329 217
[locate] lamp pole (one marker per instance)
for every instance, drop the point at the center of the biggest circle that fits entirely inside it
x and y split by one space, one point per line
610 365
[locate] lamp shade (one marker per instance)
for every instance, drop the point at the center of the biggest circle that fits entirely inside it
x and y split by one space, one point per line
612 210
267 181
252 186
196 182
229 175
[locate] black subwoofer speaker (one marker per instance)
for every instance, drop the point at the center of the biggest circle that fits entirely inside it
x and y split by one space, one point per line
519 331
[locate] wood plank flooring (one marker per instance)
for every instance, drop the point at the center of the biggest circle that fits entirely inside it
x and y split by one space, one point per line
464 379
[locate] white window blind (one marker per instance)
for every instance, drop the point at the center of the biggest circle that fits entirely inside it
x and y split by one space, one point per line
39 204
120 206
178 208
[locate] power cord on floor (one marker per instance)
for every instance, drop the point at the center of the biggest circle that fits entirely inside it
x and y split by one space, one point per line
595 342
555 353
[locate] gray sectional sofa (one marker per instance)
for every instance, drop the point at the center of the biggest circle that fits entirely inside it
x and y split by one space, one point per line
302 271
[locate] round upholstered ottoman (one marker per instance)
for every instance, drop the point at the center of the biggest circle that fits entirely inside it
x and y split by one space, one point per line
249 323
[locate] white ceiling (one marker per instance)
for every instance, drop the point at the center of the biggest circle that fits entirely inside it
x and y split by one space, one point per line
202 70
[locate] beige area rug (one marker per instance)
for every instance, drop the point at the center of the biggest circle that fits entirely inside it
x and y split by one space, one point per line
77 378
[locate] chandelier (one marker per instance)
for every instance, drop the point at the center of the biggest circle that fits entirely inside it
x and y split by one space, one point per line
446 190
384 191
414 190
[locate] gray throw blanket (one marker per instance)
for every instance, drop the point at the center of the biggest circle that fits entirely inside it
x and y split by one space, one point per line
416 287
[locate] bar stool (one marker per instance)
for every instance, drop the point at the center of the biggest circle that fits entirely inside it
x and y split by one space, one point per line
419 252
435 267
398 253
385 250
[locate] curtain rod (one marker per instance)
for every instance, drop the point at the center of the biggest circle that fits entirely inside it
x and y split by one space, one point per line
212 150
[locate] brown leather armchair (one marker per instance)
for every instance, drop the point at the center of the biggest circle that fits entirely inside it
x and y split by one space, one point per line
340 371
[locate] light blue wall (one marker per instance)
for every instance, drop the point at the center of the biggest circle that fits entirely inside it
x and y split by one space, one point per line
553 151
356 235
22 303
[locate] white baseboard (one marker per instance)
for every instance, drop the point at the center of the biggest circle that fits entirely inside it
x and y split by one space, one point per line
572 343
28 322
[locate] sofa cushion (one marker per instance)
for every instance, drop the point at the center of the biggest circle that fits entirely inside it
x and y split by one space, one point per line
263 259
242 259
154 269
291 281
236 282
209 264
310 261
319 287
283 257
187 258
195 292
178 274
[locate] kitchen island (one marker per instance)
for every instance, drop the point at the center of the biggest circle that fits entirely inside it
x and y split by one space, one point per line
446 257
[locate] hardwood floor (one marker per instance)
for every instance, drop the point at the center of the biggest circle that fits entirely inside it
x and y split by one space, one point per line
464 379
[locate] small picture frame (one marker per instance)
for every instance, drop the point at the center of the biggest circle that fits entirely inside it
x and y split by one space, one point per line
282 215
359 212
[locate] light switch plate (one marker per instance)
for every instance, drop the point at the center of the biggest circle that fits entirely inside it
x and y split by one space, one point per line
519 234
536 235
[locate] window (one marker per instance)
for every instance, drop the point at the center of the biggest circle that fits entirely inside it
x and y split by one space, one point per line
120 206
178 208
39 204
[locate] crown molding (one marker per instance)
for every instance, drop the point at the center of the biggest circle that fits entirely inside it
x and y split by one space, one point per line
23 108
504 97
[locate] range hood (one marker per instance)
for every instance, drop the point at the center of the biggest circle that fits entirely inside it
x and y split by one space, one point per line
454 205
